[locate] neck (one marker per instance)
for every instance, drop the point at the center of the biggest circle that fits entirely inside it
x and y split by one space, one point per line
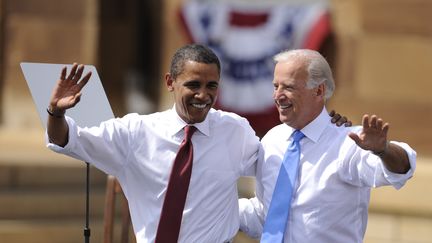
309 117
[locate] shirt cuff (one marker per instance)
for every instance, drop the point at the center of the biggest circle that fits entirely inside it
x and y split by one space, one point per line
71 138
396 179
250 222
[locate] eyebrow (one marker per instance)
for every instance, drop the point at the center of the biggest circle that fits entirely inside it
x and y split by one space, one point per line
193 82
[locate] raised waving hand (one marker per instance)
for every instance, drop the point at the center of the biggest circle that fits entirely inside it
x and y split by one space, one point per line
67 92
373 137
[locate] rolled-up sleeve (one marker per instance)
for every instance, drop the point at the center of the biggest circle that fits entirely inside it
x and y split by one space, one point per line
105 146
71 139
399 180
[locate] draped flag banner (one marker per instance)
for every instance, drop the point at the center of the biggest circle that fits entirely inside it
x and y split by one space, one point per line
245 37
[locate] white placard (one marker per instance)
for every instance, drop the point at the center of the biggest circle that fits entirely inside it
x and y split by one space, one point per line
93 107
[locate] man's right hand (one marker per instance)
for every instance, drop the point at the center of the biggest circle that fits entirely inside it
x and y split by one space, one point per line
339 120
67 92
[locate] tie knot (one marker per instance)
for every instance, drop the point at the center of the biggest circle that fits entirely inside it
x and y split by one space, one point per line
297 135
189 130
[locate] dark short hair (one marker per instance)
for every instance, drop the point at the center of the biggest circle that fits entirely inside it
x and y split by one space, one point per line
192 52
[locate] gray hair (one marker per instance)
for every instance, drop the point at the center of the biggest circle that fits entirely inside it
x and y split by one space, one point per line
317 66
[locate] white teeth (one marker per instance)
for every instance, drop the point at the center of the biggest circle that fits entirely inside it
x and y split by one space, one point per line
284 106
200 106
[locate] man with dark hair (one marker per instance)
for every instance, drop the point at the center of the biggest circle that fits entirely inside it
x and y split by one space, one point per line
197 53
188 197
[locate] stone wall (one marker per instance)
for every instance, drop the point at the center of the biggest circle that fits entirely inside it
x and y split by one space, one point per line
384 55
2 24
42 31
385 49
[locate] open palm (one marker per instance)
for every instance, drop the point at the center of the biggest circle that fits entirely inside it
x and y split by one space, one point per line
67 92
373 136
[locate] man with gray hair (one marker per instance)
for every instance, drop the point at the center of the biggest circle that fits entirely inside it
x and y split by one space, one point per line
313 178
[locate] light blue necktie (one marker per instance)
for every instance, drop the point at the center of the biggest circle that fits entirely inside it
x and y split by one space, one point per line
277 216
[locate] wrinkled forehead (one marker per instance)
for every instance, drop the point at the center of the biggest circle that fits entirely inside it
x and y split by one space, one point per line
291 68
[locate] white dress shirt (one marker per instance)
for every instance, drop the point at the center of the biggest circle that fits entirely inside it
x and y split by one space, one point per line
332 191
139 150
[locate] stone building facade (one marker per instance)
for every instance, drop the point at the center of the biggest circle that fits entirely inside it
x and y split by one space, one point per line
383 63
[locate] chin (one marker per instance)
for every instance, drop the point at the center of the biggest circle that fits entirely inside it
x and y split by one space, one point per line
196 120
199 118
284 119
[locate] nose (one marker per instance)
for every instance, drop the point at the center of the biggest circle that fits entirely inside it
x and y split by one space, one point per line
201 94
277 93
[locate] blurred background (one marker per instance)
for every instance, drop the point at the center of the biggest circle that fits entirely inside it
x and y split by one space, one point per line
380 51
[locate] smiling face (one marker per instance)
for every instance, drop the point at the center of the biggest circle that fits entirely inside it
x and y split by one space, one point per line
297 105
195 90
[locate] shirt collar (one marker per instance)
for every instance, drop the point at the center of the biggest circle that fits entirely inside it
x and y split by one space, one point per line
315 128
177 123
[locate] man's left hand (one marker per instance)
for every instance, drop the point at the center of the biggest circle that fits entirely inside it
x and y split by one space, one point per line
373 137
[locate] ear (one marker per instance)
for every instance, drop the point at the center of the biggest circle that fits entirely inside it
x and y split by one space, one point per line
321 90
169 82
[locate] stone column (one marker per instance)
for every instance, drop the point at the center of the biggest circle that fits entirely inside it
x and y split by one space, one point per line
173 37
62 31
2 34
